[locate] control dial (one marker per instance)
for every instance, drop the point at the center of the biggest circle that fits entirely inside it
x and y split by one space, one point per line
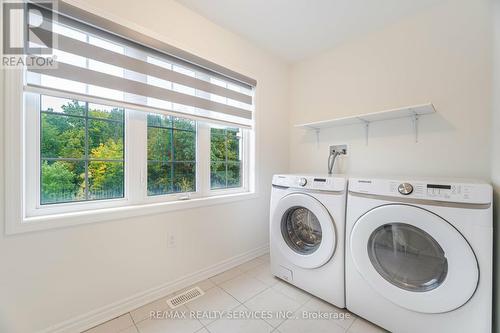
302 181
405 188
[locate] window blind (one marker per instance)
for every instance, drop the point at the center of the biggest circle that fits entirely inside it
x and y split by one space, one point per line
103 66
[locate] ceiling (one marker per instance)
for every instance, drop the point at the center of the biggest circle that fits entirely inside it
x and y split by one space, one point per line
296 29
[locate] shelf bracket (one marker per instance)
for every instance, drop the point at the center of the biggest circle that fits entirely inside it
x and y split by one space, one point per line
367 130
317 131
415 119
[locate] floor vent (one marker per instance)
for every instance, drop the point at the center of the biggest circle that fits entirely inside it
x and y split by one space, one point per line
185 297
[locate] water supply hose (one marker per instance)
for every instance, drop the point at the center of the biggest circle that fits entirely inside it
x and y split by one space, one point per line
331 160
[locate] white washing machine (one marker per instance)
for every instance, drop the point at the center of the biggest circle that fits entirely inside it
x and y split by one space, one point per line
307 233
419 254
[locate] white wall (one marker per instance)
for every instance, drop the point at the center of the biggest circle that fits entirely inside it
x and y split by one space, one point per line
442 55
495 152
52 276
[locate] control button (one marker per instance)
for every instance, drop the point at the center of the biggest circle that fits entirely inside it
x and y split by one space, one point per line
405 188
302 181
419 189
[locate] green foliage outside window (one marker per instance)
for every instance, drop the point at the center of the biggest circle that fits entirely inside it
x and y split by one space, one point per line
82 153
225 159
81 148
171 155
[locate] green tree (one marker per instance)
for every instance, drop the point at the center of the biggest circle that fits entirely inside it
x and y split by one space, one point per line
60 183
106 176
171 154
71 134
225 159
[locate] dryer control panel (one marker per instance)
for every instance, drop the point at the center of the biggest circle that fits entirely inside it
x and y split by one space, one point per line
311 182
434 191
460 192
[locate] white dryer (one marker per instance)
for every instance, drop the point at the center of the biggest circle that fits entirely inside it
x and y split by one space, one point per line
419 254
307 228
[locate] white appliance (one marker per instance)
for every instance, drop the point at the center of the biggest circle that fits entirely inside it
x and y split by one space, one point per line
307 233
419 254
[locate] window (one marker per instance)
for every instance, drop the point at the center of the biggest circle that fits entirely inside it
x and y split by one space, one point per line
171 155
81 149
116 123
225 158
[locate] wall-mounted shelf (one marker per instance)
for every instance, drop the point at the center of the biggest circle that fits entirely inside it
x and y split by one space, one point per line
412 112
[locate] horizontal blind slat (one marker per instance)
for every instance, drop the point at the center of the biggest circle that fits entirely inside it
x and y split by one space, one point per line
96 56
37 89
87 76
93 52
85 21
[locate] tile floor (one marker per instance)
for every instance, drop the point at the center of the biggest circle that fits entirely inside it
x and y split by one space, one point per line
242 291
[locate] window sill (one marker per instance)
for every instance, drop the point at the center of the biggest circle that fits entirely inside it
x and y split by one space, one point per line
46 222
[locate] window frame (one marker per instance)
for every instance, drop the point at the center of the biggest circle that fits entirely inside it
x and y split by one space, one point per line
226 162
245 166
86 158
179 195
34 207
22 159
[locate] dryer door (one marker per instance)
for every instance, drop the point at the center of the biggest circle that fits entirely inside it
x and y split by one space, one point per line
414 258
303 230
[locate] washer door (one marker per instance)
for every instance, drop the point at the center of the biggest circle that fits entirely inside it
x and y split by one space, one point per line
414 258
303 230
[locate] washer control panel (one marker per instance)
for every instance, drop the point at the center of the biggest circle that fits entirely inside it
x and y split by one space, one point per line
427 190
320 183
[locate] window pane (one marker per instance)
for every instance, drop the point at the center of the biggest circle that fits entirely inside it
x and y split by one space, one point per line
62 105
62 136
159 120
105 112
217 147
184 177
217 175
185 124
62 181
82 151
105 180
233 146
105 139
171 139
159 178
218 131
225 156
233 174
159 144
184 145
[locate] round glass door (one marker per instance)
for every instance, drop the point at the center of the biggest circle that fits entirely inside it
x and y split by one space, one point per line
301 230
407 257
414 258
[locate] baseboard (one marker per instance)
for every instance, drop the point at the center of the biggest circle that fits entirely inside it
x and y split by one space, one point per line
113 310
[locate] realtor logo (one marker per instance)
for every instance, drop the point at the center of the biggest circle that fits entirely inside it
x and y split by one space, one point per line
27 33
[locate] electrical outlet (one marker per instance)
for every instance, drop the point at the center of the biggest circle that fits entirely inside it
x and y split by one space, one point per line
338 148
171 241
